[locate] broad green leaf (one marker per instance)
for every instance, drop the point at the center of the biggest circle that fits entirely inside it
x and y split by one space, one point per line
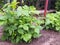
47 22
32 26
11 29
2 23
21 31
2 17
19 11
25 7
25 12
13 41
3 38
25 27
37 30
26 37
17 39
10 32
14 4
32 8
35 35
12 20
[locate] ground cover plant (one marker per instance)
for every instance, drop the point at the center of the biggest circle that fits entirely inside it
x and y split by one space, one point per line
19 23
1 3
58 5
53 21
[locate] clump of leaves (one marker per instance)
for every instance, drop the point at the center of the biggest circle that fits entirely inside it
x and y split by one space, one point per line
58 5
53 21
1 3
19 23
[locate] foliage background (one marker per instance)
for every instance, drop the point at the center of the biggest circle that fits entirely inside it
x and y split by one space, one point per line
57 5
19 23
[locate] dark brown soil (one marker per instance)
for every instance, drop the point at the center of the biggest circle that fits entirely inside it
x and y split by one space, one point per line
48 37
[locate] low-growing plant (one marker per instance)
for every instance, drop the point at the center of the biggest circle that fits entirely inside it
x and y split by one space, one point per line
19 23
1 3
53 21
57 5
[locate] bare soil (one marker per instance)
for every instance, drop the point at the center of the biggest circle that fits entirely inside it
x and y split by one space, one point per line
48 37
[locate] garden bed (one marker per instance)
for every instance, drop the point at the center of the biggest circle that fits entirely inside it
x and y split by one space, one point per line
48 38
20 26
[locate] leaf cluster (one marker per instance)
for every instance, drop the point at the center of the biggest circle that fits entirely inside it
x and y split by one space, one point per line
19 23
57 5
53 21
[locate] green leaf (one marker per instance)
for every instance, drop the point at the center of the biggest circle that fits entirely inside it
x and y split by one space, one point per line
13 41
19 22
32 26
17 39
2 17
11 20
19 11
3 38
11 29
2 23
10 32
47 22
25 12
35 35
25 27
37 30
26 37
20 26
20 31
25 7
14 4
32 8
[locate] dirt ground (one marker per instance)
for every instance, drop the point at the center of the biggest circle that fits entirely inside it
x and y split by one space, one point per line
48 38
